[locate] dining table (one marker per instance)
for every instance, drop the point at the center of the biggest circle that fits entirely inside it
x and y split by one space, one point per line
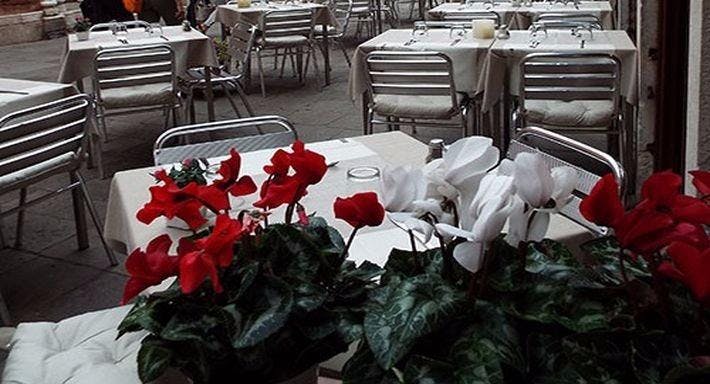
230 14
521 17
129 191
192 49
16 94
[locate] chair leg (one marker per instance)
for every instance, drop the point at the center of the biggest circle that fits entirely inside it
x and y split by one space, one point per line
283 62
230 98
261 73
345 52
4 312
190 105
82 236
244 98
312 51
20 218
95 217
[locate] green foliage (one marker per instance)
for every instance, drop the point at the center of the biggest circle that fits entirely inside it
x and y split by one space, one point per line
192 170
536 315
290 301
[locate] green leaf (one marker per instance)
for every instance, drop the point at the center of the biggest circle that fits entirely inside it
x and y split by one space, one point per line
309 297
362 368
413 308
424 370
271 314
688 375
154 358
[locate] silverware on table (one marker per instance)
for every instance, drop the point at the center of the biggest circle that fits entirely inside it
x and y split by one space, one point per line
333 164
455 42
164 38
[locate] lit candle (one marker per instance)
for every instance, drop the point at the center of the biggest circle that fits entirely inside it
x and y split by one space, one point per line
483 29
243 3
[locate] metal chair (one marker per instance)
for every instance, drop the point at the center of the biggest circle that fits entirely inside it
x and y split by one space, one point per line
473 15
413 89
568 21
437 24
590 163
41 142
112 26
575 94
342 9
135 79
165 151
291 31
241 41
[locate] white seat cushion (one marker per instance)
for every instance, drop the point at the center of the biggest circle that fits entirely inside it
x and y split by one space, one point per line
284 41
138 96
78 350
592 113
318 29
38 172
416 107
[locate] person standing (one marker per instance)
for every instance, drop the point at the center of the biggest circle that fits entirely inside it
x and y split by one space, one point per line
104 11
171 11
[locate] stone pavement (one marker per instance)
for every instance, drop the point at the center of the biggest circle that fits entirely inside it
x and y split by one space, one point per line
47 279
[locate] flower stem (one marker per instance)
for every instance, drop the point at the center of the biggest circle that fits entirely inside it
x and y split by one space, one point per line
349 243
413 243
622 267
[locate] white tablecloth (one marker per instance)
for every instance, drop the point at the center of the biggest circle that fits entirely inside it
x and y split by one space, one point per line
521 17
467 55
192 49
505 57
20 94
129 191
229 15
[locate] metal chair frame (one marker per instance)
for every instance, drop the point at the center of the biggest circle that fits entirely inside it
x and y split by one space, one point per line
281 23
134 65
416 74
568 21
34 136
342 9
241 42
577 77
531 139
473 15
128 24
164 154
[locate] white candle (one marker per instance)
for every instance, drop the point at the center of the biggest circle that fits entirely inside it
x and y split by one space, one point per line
243 3
483 29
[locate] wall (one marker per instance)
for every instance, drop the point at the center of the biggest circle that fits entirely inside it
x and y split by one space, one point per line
698 130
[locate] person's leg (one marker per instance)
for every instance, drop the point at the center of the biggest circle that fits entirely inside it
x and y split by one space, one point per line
191 16
167 9
148 12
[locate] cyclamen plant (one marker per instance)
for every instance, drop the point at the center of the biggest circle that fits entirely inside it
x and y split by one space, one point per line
253 301
489 307
81 24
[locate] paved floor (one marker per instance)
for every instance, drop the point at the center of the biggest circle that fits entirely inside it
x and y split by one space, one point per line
47 279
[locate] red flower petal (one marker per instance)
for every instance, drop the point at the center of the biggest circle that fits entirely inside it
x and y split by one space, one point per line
360 210
194 269
309 166
244 186
701 181
695 269
603 206
150 267
662 187
691 209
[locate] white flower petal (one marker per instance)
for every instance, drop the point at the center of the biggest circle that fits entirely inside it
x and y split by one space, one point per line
517 223
451 231
469 255
420 227
538 226
467 157
533 181
565 181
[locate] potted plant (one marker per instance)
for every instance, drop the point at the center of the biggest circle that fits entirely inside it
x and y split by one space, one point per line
252 301
81 28
488 307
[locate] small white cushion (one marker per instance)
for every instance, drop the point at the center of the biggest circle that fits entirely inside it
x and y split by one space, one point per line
37 172
138 96
358 11
590 113
417 107
284 41
318 29
78 350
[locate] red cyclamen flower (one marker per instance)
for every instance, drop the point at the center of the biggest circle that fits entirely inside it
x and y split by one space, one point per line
150 267
691 267
230 181
360 210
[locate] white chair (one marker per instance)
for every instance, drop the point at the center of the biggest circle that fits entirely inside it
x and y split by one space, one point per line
342 9
575 94
589 163
413 89
473 15
291 31
135 79
552 21
244 135
41 142
241 41
115 25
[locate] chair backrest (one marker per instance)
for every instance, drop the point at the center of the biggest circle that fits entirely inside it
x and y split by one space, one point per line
570 77
568 21
241 41
133 65
282 23
165 153
43 133
111 25
437 24
590 163
410 73
342 9
473 15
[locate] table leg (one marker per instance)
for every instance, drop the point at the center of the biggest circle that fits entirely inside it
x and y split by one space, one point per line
80 85
326 54
365 123
378 16
209 94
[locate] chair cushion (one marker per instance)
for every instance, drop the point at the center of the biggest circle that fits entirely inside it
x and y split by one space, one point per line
138 96
78 350
360 11
35 173
318 29
416 107
284 41
590 113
